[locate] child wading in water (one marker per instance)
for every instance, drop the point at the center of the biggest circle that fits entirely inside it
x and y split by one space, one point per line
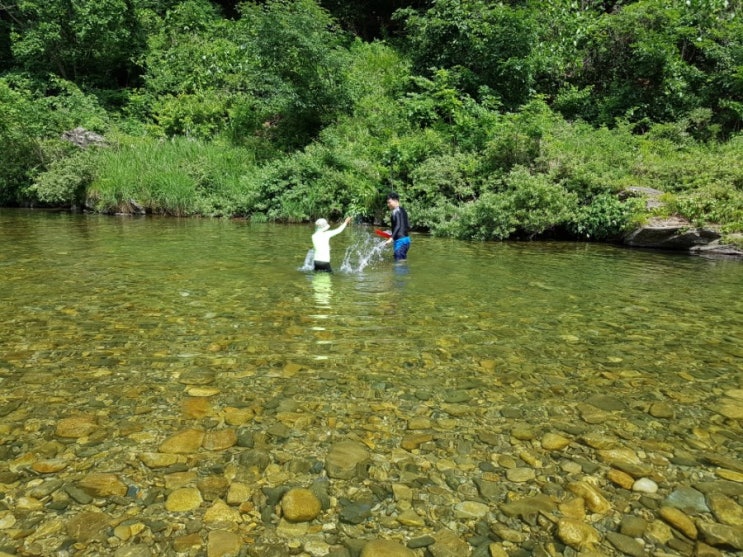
321 243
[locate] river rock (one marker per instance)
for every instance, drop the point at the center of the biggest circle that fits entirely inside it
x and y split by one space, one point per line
554 442
520 474
595 501
223 543
49 466
76 427
222 515
158 460
183 442
679 521
385 548
633 526
300 505
103 485
346 460
219 440
732 409
622 479
626 544
183 500
470 510
88 525
661 410
577 534
645 485
722 535
687 499
415 440
725 509
411 518
448 544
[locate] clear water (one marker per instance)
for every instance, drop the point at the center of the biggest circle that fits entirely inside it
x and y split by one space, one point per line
87 297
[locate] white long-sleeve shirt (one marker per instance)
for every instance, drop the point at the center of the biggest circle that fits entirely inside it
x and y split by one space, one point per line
321 242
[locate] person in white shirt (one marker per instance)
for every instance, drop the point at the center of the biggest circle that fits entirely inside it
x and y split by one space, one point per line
321 243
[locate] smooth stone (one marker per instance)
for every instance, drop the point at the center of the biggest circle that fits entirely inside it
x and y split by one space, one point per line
219 440
103 485
158 460
385 548
529 506
188 543
7 520
419 423
687 499
577 534
622 479
137 550
300 505
345 458
523 432
554 442
680 521
595 501
238 493
197 407
731 409
470 510
355 512
661 410
422 541
292 530
76 427
725 509
88 525
183 500
183 442
633 526
626 544
618 456
223 543
49 466
721 535
415 440
448 544
645 485
573 508
520 474
599 441
238 416
411 518
198 377
220 514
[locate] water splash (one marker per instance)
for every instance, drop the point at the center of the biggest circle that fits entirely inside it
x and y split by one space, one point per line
366 251
309 261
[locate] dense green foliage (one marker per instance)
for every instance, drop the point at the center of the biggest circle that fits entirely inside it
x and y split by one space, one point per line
492 119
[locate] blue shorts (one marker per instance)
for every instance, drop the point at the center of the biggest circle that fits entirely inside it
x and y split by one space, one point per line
402 245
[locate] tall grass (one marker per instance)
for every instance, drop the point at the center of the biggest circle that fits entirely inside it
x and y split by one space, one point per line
179 177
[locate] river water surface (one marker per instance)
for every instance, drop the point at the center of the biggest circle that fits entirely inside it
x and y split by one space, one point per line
118 317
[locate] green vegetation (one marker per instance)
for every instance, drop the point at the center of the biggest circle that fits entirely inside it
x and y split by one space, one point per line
492 120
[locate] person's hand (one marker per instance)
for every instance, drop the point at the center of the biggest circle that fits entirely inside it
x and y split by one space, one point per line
348 219
388 242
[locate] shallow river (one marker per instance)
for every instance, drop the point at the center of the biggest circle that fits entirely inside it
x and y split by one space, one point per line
151 325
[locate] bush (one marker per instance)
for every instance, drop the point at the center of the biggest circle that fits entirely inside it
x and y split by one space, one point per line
605 218
66 180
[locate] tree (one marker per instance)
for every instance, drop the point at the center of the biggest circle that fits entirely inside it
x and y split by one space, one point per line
489 44
90 41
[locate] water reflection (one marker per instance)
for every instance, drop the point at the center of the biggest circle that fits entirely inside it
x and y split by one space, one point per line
322 286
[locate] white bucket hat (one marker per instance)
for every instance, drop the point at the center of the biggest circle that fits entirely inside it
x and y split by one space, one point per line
321 224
